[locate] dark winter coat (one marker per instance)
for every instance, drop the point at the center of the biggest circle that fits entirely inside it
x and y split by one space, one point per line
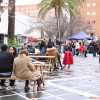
95 46
6 62
50 42
58 42
43 44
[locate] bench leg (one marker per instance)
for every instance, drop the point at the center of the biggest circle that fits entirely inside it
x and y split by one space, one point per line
34 86
43 79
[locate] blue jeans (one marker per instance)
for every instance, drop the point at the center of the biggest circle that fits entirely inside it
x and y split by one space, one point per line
80 53
94 53
33 60
74 51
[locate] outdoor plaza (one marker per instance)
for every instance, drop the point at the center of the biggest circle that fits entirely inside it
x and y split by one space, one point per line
80 82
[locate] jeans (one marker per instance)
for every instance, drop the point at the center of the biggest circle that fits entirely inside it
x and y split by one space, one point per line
33 60
94 53
74 51
59 61
80 53
6 75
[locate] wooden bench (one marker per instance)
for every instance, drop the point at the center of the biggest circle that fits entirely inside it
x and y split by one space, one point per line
16 78
41 64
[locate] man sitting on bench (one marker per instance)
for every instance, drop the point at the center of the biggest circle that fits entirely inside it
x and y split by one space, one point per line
6 63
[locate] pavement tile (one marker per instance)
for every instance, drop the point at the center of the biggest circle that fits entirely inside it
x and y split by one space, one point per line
82 78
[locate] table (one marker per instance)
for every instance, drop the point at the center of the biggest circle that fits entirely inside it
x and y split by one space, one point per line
34 54
50 58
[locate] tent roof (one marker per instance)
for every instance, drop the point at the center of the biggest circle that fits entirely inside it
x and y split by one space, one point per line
79 36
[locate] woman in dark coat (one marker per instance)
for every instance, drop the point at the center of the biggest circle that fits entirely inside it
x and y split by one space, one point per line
13 51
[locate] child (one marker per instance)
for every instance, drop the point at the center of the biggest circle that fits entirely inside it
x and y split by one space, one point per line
68 57
81 50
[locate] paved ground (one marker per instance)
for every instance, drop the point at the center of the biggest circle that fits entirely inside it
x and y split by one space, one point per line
82 81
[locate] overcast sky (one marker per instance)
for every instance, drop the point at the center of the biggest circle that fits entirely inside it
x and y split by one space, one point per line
27 2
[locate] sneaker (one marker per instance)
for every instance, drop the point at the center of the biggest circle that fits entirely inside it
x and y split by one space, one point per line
11 88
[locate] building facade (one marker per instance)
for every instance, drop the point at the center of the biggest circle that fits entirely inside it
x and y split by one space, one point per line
91 13
31 10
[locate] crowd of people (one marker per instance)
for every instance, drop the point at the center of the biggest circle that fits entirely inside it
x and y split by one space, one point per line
20 65
83 47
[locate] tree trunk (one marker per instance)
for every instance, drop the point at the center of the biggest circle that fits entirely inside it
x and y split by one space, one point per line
58 23
11 19
71 25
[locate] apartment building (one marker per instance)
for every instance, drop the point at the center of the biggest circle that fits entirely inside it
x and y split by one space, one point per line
91 13
31 10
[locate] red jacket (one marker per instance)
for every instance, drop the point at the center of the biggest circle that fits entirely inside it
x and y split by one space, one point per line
68 58
81 49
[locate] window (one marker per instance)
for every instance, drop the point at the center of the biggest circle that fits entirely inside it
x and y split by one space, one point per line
88 4
78 6
78 14
26 11
93 4
93 31
88 22
93 21
94 13
88 30
17 8
88 13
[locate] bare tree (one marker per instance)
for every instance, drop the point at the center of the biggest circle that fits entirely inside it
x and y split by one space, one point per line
48 27
2 7
79 24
